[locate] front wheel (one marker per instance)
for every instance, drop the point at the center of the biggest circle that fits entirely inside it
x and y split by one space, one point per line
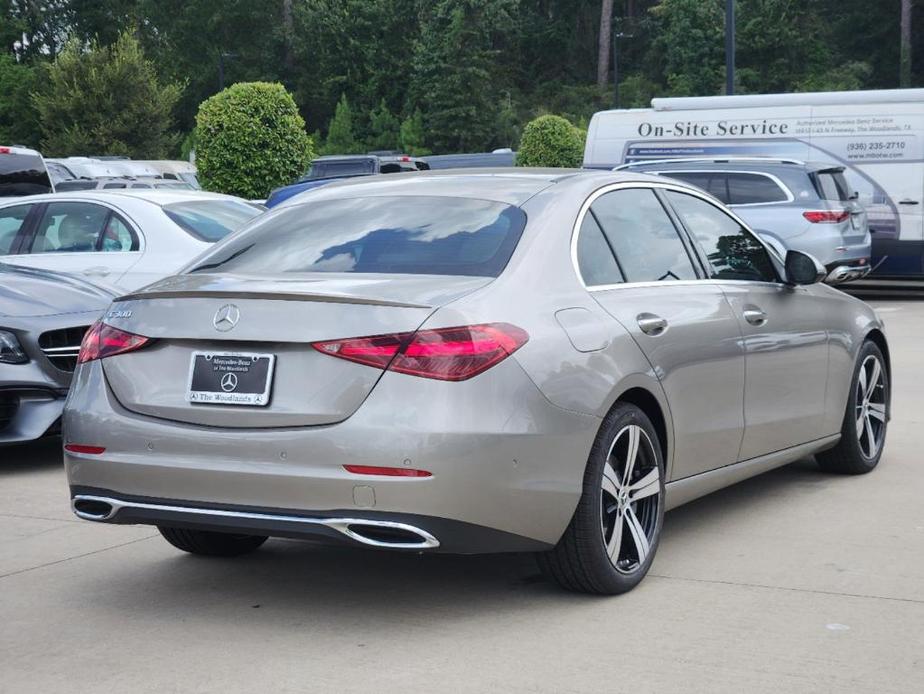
612 538
863 431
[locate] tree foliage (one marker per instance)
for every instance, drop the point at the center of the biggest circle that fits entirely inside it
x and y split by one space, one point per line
250 139
551 141
341 138
105 100
17 124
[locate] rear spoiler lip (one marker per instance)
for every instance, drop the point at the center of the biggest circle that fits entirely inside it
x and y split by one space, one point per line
274 296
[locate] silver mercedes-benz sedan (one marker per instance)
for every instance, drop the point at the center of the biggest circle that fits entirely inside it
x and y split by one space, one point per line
495 361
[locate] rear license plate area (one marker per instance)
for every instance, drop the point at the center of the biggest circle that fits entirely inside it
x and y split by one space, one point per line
230 378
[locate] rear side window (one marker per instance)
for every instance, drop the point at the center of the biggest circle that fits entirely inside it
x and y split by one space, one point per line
831 185
753 189
345 167
211 220
22 174
75 185
70 227
594 256
712 182
643 237
11 221
731 250
417 235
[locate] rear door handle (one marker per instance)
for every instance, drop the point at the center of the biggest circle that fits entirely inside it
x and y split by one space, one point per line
755 316
651 324
908 201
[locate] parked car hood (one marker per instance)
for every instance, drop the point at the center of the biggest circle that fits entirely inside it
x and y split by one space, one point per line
31 292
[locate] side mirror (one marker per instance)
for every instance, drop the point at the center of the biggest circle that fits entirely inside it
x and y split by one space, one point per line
801 268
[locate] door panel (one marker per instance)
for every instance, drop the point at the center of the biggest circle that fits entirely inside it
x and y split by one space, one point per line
699 359
787 366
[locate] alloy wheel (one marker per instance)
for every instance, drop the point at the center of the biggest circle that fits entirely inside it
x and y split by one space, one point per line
630 499
870 406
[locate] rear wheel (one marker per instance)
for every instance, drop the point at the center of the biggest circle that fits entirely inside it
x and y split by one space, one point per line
211 544
866 420
612 538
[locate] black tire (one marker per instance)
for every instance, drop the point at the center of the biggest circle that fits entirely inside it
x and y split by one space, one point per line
853 455
581 560
211 544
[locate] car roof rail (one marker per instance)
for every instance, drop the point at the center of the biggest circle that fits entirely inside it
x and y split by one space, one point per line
711 160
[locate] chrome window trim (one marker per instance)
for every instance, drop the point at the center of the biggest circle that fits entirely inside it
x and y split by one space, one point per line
779 183
679 188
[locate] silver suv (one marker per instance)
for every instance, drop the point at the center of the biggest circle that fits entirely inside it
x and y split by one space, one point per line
805 206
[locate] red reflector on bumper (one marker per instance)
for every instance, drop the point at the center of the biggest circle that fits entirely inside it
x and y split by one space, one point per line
386 471
81 448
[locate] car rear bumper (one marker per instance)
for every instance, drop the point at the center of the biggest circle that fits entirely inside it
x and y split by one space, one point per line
503 460
396 531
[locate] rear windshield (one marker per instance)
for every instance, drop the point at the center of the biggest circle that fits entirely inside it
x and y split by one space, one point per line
831 185
211 220
345 167
414 235
22 174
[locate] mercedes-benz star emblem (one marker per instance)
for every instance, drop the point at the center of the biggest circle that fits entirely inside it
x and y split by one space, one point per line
228 382
226 317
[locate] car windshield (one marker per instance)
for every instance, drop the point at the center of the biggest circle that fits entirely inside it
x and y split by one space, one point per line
404 235
211 220
22 174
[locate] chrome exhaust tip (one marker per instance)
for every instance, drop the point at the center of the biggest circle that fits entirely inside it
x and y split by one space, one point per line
93 508
385 534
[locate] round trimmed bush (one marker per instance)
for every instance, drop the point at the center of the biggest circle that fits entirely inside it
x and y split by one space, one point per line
550 141
250 139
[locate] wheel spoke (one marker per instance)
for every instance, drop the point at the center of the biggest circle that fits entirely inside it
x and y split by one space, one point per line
870 437
877 410
862 384
649 485
873 380
631 454
638 535
615 542
611 481
861 422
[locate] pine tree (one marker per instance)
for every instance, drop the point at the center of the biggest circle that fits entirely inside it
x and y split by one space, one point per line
340 136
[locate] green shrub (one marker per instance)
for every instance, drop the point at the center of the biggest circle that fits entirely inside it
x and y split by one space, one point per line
550 141
250 139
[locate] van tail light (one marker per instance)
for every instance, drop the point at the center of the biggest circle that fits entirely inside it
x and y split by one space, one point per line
826 216
103 340
446 354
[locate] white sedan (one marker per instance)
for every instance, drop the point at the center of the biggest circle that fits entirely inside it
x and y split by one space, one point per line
124 238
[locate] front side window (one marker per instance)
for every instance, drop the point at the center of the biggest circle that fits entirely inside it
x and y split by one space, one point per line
11 221
428 235
733 253
70 227
753 189
645 241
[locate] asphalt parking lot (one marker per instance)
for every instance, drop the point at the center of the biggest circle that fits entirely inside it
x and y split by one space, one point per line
795 581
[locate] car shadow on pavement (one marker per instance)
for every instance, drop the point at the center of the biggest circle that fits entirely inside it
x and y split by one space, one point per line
287 577
23 458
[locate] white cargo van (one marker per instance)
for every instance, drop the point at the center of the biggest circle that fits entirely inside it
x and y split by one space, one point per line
877 135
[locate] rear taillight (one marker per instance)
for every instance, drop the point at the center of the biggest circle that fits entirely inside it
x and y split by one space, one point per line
826 216
103 340
447 354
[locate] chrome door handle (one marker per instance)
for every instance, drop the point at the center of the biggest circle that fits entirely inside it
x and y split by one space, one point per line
651 324
755 316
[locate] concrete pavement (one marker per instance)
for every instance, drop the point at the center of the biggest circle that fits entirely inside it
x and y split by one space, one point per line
795 581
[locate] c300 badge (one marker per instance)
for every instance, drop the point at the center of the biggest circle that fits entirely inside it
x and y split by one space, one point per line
119 314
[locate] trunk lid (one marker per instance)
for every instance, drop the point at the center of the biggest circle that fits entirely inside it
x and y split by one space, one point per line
277 316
